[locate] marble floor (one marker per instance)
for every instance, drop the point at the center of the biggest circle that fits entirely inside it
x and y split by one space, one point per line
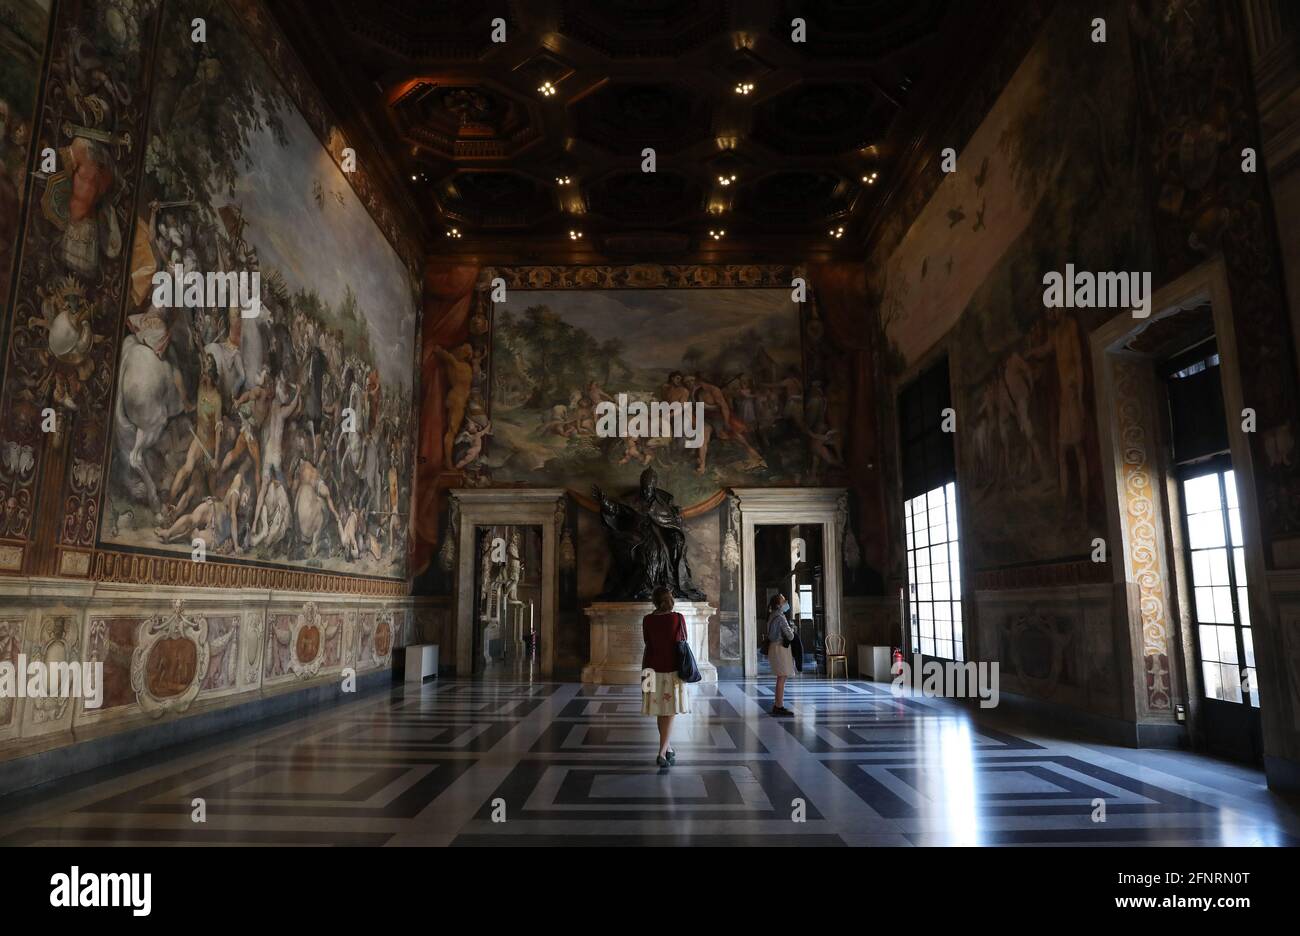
538 763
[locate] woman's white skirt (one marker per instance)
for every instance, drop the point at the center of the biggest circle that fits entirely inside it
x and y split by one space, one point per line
668 696
780 658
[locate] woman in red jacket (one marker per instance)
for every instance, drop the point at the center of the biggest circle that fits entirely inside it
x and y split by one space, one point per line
663 694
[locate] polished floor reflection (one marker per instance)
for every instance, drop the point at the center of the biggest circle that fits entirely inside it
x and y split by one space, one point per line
535 763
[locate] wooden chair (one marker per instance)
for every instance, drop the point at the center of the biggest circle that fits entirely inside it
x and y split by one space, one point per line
835 654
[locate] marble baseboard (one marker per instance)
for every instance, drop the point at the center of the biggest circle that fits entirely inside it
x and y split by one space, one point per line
171 654
1063 717
1283 775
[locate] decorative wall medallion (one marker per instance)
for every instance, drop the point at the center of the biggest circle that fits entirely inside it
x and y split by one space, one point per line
169 661
384 636
1036 645
307 638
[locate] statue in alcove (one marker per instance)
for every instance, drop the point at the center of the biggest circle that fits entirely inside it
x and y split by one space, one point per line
648 543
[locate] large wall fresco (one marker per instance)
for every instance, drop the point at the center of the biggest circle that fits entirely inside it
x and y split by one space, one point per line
557 354
24 25
1051 176
283 438
521 388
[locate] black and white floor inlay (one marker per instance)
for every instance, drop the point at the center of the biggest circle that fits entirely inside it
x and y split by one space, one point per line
545 763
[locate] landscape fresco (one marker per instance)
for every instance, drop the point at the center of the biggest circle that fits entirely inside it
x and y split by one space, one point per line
283 438
557 353
23 27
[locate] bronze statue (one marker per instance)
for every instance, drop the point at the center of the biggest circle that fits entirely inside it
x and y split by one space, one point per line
648 543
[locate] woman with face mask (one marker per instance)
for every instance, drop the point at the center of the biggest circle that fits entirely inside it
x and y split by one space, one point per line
780 633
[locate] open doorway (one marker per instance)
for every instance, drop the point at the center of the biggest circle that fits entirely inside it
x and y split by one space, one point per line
507 600
789 559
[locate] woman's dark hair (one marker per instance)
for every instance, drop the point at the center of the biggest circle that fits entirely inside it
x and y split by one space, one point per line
662 596
774 602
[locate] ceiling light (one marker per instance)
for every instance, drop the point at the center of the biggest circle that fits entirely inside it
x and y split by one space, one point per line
837 232
562 180
744 87
574 235
717 235
871 177
726 180
546 89
453 232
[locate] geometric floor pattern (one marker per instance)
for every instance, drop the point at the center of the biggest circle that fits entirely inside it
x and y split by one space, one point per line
533 763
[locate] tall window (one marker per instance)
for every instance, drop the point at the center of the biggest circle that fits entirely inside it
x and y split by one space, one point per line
930 518
934 573
1220 604
1212 535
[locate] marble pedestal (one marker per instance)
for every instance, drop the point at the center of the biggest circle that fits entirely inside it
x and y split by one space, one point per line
617 643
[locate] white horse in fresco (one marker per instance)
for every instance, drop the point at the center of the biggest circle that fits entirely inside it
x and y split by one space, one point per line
147 399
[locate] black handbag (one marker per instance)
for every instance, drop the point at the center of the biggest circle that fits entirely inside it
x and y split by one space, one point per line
687 670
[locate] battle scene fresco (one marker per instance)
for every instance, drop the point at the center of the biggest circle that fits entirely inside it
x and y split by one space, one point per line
283 438
557 354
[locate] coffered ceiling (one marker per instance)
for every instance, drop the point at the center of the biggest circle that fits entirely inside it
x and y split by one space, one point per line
531 149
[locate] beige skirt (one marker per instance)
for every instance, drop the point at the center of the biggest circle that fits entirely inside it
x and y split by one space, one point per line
669 696
780 659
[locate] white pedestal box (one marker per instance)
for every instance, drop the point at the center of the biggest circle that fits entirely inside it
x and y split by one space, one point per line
874 663
421 661
617 642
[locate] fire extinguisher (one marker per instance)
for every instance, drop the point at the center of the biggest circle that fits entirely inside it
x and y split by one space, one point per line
897 666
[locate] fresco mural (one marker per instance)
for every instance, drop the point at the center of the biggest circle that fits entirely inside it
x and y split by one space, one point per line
23 28
1060 136
557 354
283 438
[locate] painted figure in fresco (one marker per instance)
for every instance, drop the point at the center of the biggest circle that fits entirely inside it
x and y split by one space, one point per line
91 174
720 423
823 439
205 444
209 521
311 498
1018 383
460 377
1063 343
469 444
238 501
281 410
272 516
648 542
253 406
